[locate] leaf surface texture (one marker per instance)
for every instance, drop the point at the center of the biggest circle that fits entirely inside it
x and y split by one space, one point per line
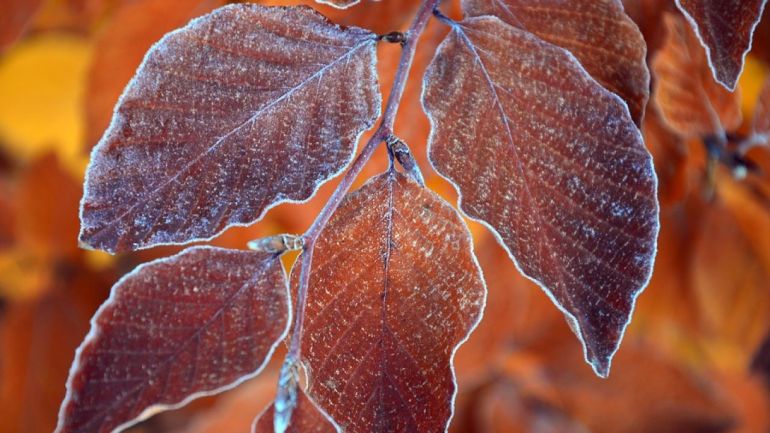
244 108
306 418
180 327
395 289
725 28
599 33
554 164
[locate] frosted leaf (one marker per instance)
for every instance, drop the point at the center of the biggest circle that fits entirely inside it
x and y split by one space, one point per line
553 163
725 29
689 100
193 324
339 4
306 418
599 33
395 288
244 108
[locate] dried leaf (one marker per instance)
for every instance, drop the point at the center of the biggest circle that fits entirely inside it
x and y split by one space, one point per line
725 29
174 329
599 33
554 164
120 48
306 418
395 289
264 105
690 101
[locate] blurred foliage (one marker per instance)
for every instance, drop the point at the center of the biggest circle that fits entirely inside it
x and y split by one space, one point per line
696 357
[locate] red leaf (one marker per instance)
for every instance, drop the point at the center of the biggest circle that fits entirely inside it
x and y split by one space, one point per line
339 4
174 329
725 28
242 109
120 48
306 418
395 290
761 121
599 33
690 101
554 164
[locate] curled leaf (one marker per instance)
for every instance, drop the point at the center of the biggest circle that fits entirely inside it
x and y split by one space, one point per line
244 108
725 28
174 329
306 418
395 289
599 33
689 100
554 164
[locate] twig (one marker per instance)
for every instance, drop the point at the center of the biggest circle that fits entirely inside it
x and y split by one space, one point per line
384 130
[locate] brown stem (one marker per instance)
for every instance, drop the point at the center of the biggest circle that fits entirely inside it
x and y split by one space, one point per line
384 130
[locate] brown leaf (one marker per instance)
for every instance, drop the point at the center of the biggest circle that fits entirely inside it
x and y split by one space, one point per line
264 105
120 48
306 418
394 290
15 19
174 329
669 152
599 33
725 29
761 120
554 164
690 101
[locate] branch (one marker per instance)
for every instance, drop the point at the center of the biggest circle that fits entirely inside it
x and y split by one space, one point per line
285 398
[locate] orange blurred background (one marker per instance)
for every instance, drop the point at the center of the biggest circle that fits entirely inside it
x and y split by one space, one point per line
696 357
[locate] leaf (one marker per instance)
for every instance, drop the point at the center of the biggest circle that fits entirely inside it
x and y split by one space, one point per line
14 20
185 326
120 48
266 104
306 418
394 291
599 33
690 101
339 4
725 29
553 163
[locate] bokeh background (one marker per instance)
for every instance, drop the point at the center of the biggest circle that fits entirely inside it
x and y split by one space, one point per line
695 359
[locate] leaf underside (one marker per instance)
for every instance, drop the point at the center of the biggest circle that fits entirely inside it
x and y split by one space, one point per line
240 110
599 33
306 418
173 329
690 102
725 29
554 164
395 289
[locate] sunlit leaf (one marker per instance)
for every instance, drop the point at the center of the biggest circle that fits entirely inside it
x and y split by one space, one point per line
669 151
242 109
306 418
725 28
554 164
395 288
120 48
174 329
690 101
599 33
